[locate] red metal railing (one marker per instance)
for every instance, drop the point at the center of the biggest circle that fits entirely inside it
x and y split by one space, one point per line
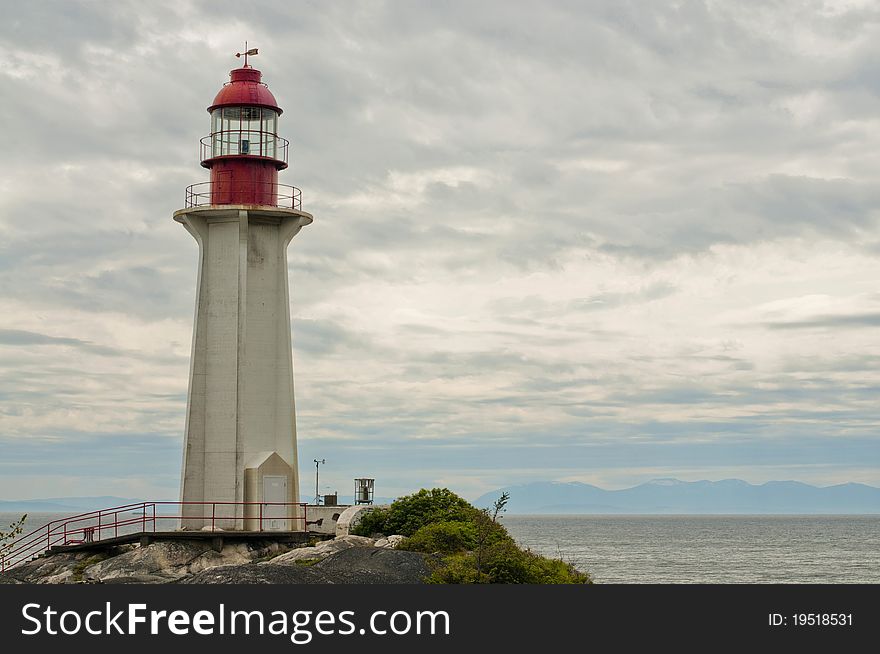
238 142
271 194
142 517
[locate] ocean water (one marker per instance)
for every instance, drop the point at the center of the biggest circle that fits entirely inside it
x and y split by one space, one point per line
690 549
709 549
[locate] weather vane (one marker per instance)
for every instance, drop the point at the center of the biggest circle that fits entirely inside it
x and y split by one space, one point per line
247 52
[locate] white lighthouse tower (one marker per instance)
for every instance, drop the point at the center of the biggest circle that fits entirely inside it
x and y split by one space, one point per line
239 459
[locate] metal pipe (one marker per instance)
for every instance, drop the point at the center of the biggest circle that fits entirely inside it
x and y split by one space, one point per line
317 494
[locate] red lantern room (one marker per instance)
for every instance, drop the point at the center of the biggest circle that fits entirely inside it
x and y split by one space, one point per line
243 151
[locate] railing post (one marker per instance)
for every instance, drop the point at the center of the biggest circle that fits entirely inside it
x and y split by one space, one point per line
213 514
144 523
261 516
99 524
65 533
154 517
116 524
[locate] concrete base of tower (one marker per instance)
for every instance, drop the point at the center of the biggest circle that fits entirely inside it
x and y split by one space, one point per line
240 461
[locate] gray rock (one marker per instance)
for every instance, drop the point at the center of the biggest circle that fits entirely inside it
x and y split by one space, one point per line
320 551
390 541
344 560
375 565
156 563
294 557
59 568
257 574
354 565
165 561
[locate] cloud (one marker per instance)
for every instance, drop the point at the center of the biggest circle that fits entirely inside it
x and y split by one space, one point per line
831 322
545 241
18 337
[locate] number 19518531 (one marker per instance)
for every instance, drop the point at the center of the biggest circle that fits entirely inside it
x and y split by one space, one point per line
810 620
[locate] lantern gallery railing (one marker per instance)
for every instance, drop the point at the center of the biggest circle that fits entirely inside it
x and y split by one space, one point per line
239 142
266 194
143 517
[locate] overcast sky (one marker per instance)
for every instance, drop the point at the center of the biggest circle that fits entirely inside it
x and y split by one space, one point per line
594 241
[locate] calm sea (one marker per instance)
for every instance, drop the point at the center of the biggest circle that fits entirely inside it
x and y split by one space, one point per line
709 549
693 549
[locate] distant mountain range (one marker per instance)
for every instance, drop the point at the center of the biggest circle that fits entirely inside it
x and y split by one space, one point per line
669 496
661 496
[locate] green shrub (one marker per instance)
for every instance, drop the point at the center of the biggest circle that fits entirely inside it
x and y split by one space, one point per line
372 523
504 563
554 571
442 537
6 537
475 547
458 569
408 514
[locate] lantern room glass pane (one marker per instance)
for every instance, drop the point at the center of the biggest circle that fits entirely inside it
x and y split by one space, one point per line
244 130
270 130
270 121
249 140
216 141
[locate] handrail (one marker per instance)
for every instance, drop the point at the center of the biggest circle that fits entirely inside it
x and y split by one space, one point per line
270 194
244 142
59 531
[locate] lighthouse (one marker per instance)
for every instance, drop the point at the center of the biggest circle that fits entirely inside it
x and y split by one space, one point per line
239 459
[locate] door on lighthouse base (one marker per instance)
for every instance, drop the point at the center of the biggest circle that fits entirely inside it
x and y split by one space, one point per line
275 515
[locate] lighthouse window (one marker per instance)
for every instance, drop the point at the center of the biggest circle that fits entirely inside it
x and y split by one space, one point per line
244 130
250 114
250 141
270 121
269 129
250 119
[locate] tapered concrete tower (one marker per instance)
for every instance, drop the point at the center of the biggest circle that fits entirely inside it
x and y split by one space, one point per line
240 445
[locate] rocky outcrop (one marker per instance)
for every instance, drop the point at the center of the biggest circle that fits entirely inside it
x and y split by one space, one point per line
353 565
389 541
166 561
257 574
63 568
375 565
320 551
345 559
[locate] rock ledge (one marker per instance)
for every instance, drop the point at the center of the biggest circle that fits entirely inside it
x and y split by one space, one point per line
342 560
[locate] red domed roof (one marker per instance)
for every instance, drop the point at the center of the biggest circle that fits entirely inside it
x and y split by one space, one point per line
245 88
